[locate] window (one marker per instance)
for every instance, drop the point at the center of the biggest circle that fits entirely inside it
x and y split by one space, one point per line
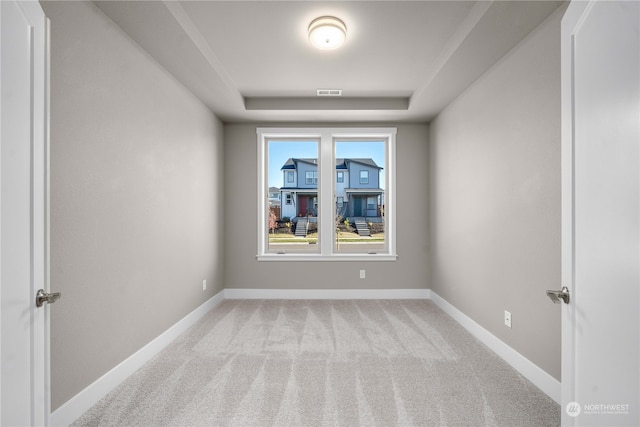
290 179
297 158
311 178
362 228
364 177
371 203
329 218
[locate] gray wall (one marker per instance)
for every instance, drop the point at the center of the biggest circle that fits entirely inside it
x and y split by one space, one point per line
136 196
243 271
495 198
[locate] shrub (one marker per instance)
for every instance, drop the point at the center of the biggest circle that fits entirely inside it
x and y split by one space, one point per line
272 221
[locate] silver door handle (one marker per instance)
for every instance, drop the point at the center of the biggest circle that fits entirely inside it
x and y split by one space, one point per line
42 297
562 294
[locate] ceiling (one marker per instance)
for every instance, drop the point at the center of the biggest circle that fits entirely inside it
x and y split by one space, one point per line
403 61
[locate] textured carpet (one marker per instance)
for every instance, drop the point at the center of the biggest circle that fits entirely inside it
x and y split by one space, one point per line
325 363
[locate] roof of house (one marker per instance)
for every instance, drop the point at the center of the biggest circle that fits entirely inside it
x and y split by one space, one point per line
291 162
363 161
340 162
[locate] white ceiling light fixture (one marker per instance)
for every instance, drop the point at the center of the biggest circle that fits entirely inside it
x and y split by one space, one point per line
327 32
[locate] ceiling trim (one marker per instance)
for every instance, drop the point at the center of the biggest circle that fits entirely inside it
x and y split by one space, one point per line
334 104
488 31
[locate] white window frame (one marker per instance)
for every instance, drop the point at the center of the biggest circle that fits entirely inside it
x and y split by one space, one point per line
290 177
340 176
326 190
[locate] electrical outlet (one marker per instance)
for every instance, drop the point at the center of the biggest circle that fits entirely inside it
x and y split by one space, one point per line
507 319
204 284
363 274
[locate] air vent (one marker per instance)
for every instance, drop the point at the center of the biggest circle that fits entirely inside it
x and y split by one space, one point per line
329 92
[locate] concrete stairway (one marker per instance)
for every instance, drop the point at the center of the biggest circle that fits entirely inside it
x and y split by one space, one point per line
362 228
301 227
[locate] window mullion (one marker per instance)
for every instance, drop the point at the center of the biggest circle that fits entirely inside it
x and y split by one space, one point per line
390 193
325 194
262 187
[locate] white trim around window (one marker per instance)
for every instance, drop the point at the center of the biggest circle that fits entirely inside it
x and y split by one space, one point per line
326 191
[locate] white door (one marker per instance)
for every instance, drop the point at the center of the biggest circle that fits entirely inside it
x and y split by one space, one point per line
23 142
601 212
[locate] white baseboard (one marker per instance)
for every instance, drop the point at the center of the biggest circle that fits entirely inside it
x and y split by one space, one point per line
545 382
83 401
237 293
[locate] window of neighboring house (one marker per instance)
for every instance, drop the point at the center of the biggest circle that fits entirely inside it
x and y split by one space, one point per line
332 232
311 178
290 179
371 203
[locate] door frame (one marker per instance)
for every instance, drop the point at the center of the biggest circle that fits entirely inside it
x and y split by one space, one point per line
570 23
576 315
38 329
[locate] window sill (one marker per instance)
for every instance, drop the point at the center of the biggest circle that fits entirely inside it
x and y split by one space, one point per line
335 257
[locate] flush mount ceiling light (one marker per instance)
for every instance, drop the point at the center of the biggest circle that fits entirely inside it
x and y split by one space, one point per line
327 32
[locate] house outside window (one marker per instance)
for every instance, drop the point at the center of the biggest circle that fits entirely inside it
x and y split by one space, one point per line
287 199
290 178
364 177
340 176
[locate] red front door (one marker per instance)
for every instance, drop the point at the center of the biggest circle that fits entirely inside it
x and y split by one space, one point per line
302 205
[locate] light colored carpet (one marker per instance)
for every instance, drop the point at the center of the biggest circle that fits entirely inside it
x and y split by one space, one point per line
325 363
